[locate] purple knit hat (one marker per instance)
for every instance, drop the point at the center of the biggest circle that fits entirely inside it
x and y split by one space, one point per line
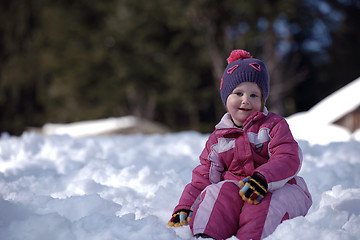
242 67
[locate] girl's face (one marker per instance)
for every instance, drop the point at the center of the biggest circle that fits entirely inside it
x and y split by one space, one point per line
244 101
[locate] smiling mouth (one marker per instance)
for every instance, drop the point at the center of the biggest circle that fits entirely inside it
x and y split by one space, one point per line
244 109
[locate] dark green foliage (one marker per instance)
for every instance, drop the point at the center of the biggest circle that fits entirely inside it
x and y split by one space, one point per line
64 61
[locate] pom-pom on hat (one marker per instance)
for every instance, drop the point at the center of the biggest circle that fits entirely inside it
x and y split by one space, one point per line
242 67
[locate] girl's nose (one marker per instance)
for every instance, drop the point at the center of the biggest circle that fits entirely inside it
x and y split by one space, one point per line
245 99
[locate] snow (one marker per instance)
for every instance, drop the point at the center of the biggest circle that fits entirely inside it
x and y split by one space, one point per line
309 126
125 187
317 125
89 128
119 125
63 187
337 104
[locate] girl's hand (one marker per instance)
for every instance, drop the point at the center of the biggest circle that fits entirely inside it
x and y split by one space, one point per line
180 218
254 188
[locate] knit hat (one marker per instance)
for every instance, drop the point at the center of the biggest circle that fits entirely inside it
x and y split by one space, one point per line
242 67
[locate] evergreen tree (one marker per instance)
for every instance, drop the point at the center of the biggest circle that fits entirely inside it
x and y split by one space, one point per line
64 61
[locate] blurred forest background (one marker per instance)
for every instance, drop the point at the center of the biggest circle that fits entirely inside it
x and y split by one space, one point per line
71 60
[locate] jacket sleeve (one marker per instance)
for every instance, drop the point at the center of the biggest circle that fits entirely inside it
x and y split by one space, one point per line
285 157
200 176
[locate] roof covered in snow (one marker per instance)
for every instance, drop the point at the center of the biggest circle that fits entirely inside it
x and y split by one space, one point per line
339 103
319 120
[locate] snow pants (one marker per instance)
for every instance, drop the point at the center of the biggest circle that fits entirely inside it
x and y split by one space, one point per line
221 213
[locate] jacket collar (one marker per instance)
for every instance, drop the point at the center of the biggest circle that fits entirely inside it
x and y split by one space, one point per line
227 123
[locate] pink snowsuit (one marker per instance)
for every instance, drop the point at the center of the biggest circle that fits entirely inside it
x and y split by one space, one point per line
265 145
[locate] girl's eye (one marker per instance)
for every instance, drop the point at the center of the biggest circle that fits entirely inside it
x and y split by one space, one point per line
253 95
239 94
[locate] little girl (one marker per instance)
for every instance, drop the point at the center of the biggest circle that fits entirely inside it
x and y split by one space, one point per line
246 183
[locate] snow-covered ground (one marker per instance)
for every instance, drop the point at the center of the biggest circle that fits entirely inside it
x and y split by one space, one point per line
125 187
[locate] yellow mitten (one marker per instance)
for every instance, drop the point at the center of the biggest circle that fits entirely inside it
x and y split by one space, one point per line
180 218
253 188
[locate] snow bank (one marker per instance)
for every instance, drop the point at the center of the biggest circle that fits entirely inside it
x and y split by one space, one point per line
125 187
310 127
119 125
337 104
317 125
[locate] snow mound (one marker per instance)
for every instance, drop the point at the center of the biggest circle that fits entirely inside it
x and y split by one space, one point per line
126 186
